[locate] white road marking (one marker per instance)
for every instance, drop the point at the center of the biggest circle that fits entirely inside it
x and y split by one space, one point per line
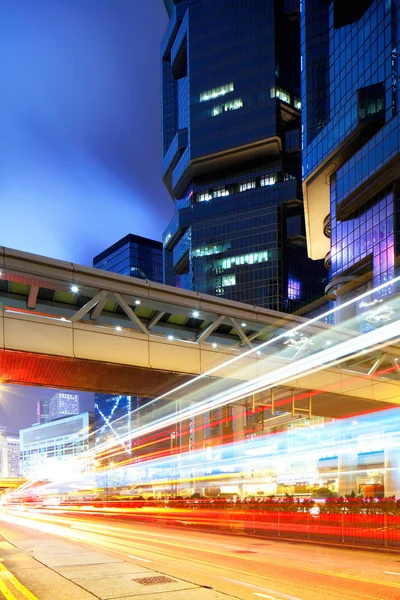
391 573
138 558
282 596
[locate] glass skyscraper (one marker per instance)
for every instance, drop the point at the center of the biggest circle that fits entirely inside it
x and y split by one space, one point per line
231 152
134 256
112 416
351 141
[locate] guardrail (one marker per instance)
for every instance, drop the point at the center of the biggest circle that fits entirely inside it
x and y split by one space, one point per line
345 526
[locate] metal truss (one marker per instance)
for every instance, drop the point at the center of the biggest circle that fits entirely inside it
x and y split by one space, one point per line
43 286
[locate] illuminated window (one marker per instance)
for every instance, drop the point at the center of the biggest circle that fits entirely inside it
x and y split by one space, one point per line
203 196
209 250
281 94
294 288
297 103
232 105
247 185
268 179
221 191
243 259
229 280
216 92
288 177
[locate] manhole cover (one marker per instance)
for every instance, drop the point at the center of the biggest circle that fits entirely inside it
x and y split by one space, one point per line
154 580
244 552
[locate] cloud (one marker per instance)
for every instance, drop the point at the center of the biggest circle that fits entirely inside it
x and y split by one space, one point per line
80 152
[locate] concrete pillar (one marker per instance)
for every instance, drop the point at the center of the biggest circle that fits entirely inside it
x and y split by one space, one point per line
198 432
347 473
392 467
238 420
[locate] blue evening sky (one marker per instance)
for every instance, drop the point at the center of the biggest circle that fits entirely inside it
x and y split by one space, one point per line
80 144
80 147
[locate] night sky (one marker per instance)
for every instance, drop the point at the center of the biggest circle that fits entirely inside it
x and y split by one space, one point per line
80 148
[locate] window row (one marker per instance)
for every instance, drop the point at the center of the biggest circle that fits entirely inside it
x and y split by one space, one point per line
243 186
216 92
209 250
279 93
228 106
243 259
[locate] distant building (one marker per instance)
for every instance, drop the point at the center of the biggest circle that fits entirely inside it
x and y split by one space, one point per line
51 449
116 416
112 416
63 404
134 256
42 411
9 456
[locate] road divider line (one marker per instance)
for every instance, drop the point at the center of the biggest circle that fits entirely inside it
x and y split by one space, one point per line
138 558
260 595
391 573
5 573
6 592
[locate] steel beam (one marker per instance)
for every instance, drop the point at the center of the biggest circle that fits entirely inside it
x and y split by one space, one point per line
88 306
154 320
208 330
240 332
130 313
99 308
33 294
377 364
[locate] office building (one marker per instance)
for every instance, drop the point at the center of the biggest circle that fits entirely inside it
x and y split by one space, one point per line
50 450
134 256
351 141
9 456
231 153
42 411
112 416
63 404
117 416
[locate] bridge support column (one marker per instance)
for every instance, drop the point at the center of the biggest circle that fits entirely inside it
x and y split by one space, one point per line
238 420
392 468
347 473
198 433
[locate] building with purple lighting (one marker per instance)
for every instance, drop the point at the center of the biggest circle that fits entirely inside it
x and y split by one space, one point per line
351 142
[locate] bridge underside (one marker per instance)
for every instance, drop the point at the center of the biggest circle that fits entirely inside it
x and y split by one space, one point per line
25 368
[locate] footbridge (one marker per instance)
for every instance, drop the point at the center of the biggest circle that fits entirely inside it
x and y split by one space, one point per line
69 326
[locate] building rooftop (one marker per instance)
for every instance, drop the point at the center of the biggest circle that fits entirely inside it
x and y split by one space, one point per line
136 239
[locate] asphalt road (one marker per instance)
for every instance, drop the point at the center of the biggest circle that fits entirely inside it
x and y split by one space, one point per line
241 566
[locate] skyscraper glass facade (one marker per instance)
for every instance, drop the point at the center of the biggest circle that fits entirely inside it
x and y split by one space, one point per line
351 141
116 416
231 153
134 256
112 416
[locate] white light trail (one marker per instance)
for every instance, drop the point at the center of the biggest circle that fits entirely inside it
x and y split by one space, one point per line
302 367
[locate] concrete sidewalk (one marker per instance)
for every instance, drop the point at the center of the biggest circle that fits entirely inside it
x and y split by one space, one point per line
37 566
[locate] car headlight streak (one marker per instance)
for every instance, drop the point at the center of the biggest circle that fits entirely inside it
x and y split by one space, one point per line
316 362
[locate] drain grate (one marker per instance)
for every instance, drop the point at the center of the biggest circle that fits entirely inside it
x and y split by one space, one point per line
154 580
